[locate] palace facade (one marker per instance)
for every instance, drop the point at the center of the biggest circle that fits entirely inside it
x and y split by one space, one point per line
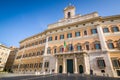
11 58
4 53
80 44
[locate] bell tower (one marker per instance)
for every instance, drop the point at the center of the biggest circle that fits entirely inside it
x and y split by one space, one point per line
69 11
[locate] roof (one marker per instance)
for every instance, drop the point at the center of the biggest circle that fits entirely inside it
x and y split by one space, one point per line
69 7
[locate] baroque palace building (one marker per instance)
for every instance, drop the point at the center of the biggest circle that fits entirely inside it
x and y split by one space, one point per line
80 44
4 54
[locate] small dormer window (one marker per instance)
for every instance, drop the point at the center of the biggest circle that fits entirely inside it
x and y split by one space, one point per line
69 14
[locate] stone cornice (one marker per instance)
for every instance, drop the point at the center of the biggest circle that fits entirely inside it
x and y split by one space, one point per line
79 22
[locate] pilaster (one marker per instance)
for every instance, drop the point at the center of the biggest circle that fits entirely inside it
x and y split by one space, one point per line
101 37
76 66
64 65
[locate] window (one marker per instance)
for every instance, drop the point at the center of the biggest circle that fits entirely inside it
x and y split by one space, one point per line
77 34
38 53
102 71
46 64
0 60
40 65
116 63
42 52
105 30
32 44
55 37
49 51
34 54
61 49
69 14
85 32
36 65
50 39
101 63
94 31
97 46
44 40
30 54
55 50
110 46
79 48
76 25
36 43
61 36
69 35
118 72
87 47
118 44
40 42
115 29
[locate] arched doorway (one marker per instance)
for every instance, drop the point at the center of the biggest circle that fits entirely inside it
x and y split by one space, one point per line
60 69
81 69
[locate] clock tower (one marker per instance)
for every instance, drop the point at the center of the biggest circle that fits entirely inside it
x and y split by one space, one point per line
69 11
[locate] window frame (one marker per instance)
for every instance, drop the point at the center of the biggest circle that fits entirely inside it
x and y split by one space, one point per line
94 31
106 30
77 34
69 35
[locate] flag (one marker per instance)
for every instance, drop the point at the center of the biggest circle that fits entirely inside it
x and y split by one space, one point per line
62 49
64 45
71 48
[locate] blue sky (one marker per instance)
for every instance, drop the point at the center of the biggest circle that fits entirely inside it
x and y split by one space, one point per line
20 19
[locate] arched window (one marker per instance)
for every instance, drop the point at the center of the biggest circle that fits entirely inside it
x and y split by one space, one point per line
38 53
70 47
115 29
69 14
87 45
61 49
85 32
110 44
97 45
42 52
118 44
94 31
49 50
55 51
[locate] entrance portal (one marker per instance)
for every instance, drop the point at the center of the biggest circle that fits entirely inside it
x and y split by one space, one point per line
70 66
81 69
60 69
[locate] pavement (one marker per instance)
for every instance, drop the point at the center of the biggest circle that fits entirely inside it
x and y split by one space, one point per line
53 77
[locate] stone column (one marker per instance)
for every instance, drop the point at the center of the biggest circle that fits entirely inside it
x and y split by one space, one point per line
86 64
101 38
56 66
64 65
76 66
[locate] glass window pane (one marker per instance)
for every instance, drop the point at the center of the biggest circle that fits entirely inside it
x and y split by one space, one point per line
77 34
105 30
115 29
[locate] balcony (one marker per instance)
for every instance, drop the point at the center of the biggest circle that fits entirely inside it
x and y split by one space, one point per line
71 52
